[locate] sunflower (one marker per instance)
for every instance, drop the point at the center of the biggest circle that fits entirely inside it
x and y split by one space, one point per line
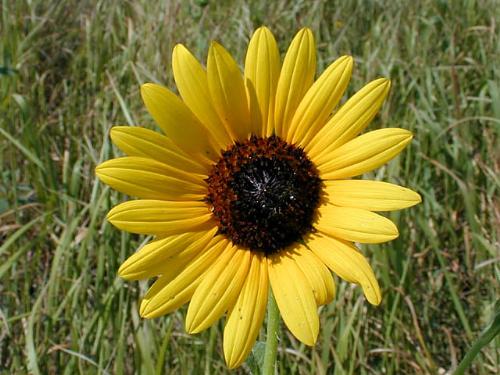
251 189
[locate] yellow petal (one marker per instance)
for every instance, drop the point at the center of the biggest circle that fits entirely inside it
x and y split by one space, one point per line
219 289
160 217
319 277
149 179
346 261
354 224
246 317
262 69
178 122
168 293
364 153
192 83
137 141
297 75
349 121
294 297
370 195
319 101
160 256
228 91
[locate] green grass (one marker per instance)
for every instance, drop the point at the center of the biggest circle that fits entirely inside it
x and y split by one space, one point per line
70 70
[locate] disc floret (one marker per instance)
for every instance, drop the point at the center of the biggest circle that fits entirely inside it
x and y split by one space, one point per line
264 193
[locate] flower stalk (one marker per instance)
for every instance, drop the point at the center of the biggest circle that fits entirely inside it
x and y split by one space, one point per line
271 350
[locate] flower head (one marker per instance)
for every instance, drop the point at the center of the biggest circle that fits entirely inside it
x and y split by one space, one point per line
251 186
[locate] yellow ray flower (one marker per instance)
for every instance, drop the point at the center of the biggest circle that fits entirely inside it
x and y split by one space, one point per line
250 188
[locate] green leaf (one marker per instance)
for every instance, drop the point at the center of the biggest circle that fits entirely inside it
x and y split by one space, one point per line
256 358
490 332
6 71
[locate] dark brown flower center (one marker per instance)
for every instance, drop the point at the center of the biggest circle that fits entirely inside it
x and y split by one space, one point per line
264 193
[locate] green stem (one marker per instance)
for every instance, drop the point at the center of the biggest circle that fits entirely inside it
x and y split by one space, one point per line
273 321
486 337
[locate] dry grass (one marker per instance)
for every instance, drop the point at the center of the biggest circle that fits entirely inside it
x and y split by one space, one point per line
70 70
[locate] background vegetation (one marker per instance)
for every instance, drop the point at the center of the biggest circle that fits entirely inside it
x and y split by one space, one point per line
69 70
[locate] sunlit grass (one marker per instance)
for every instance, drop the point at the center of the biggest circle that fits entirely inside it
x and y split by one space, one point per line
71 70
